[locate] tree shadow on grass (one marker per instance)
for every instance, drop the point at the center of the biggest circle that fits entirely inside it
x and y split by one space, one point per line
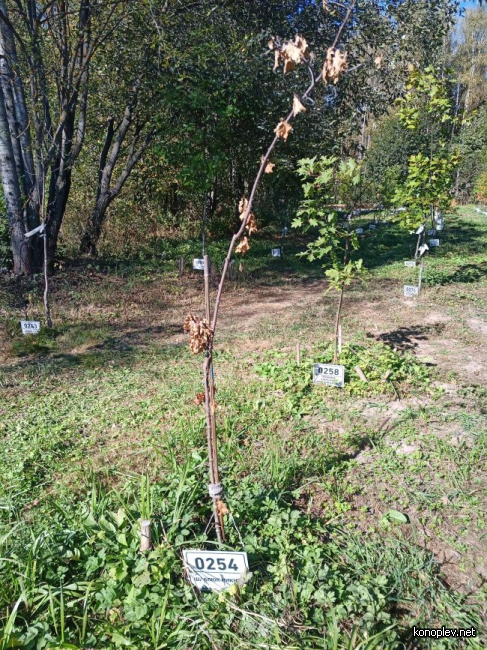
113 351
467 273
407 338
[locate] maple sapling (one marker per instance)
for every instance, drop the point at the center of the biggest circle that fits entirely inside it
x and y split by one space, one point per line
322 178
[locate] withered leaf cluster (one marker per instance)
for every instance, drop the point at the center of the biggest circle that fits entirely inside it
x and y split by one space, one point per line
335 64
297 106
290 53
251 226
221 508
283 129
200 333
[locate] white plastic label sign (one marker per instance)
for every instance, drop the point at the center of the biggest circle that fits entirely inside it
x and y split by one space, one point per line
329 374
198 265
434 242
372 226
276 252
410 291
410 263
359 231
215 570
30 326
439 226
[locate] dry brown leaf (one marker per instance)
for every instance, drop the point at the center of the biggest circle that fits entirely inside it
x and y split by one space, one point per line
297 106
335 64
243 247
288 66
222 508
277 56
378 61
242 207
269 168
283 129
200 333
291 53
199 399
302 46
325 5
241 267
271 43
251 224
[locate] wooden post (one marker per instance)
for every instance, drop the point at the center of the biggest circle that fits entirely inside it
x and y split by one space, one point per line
339 338
360 373
421 273
145 535
298 354
181 267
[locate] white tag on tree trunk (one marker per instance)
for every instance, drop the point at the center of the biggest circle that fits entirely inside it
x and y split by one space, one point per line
423 249
434 242
215 570
198 265
30 326
329 374
410 263
410 291
276 252
420 230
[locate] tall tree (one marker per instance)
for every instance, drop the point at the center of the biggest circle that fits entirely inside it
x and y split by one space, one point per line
49 49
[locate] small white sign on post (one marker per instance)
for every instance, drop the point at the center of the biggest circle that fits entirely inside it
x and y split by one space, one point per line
410 291
359 231
198 265
329 374
276 252
30 326
410 263
434 242
215 570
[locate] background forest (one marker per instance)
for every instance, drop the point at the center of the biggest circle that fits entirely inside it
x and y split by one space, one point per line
138 118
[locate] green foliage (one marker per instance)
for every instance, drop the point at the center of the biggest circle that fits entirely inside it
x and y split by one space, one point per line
80 581
427 187
430 172
382 366
322 179
426 93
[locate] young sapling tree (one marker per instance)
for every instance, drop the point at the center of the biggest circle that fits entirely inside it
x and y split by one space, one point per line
427 189
323 179
203 330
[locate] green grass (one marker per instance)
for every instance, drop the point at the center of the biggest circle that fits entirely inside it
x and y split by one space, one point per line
98 430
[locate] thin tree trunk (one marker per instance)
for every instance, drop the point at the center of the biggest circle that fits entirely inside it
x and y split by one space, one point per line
338 323
11 189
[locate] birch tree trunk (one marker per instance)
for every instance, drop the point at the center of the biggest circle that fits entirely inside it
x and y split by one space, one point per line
13 198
